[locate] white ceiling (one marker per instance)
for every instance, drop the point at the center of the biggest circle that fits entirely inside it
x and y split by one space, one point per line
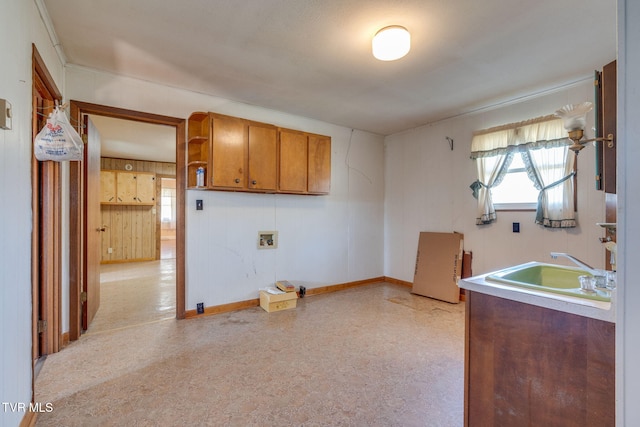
135 140
313 58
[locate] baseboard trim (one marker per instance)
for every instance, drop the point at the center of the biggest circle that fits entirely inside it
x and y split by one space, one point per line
241 305
343 286
398 282
29 419
224 308
410 285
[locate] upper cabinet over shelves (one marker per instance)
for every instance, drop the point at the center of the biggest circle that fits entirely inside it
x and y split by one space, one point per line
242 155
198 146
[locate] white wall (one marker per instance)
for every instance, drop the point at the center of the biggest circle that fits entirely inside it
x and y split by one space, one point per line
627 336
427 189
322 239
19 27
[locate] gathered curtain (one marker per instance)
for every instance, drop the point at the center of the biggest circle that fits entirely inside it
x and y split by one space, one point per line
542 142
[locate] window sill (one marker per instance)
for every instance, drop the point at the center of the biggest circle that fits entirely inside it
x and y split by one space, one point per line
515 206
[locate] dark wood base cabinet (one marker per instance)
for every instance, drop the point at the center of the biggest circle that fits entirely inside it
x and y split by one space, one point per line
530 366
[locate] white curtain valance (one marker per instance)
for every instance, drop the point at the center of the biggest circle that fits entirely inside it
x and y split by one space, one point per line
547 131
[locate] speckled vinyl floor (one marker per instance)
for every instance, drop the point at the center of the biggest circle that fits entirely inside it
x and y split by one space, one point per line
369 356
135 293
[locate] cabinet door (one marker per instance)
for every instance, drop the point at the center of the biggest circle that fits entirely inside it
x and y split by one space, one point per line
609 117
262 157
145 188
107 187
293 161
126 187
229 145
319 164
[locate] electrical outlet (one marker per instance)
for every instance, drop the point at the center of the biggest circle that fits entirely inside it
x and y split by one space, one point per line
200 308
110 250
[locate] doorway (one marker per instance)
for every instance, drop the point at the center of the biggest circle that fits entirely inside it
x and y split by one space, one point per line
80 176
137 211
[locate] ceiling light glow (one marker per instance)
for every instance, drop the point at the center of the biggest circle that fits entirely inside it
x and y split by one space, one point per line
391 43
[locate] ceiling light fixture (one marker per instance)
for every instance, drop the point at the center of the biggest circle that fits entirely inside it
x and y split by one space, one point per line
391 43
575 120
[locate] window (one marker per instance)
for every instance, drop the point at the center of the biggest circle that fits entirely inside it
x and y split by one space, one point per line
516 191
525 165
168 202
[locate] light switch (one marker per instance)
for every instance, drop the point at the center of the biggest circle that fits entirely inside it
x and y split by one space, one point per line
5 114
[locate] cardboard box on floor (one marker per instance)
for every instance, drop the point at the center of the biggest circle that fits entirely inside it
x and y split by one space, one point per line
439 266
270 302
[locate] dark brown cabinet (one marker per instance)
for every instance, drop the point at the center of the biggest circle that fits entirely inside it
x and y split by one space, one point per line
531 366
609 99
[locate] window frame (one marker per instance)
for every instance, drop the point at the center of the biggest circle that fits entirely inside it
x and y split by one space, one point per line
533 206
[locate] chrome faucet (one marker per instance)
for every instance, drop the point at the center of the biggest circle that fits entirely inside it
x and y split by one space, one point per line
576 261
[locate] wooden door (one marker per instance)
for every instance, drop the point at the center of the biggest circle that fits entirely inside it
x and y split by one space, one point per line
319 174
229 145
92 225
293 161
145 188
126 187
262 157
107 186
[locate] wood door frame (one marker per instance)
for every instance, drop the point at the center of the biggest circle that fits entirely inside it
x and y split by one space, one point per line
46 233
76 273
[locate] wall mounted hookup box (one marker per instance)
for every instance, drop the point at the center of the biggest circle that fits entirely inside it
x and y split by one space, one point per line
5 114
267 239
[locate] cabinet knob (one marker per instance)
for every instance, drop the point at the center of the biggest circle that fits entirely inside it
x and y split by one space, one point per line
237 180
254 182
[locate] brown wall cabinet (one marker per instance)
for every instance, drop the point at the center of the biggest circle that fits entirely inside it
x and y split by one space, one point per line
262 157
293 161
531 366
305 162
127 188
242 155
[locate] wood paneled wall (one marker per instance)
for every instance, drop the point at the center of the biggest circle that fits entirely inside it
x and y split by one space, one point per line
133 232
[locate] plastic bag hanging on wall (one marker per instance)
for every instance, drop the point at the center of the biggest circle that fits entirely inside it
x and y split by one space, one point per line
58 140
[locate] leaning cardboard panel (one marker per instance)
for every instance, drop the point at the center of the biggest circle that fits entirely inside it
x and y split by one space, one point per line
438 266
